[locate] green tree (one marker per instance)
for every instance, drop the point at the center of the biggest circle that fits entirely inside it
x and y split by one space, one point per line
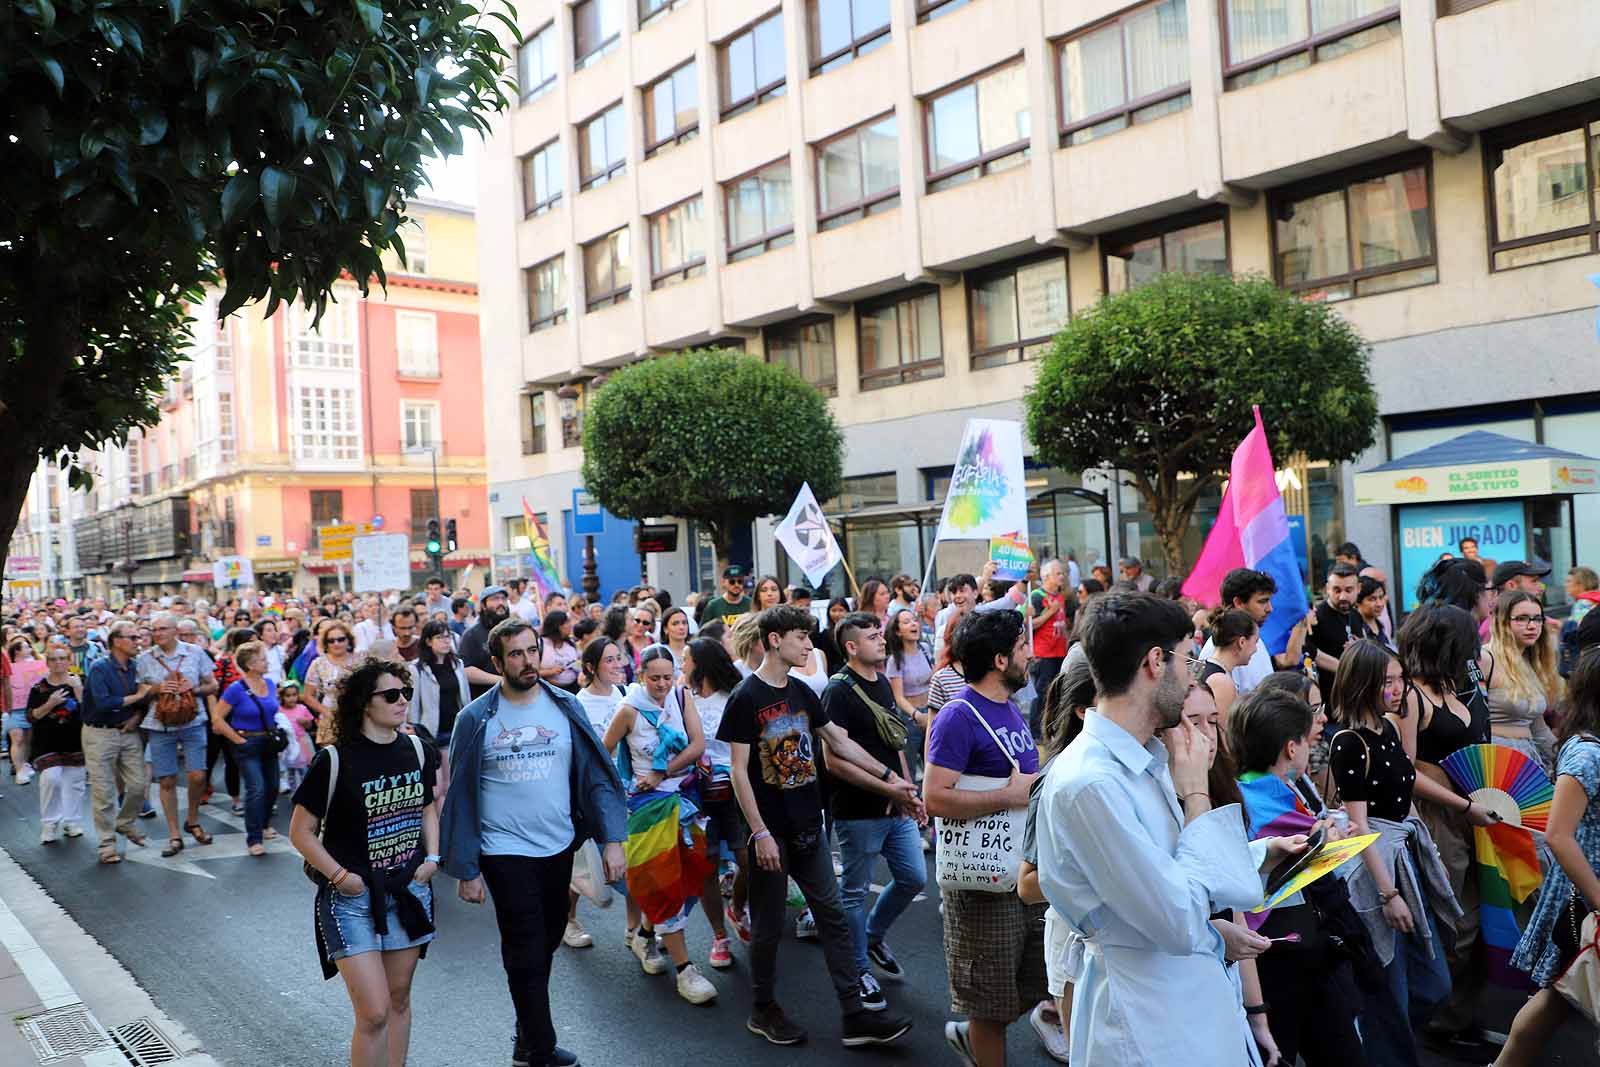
1158 382
710 435
154 147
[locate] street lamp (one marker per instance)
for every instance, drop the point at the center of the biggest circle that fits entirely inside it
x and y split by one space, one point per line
567 403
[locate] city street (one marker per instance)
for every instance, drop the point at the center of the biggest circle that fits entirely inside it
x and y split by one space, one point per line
222 943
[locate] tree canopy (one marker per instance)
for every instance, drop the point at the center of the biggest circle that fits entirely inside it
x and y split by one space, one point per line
1159 382
156 146
710 435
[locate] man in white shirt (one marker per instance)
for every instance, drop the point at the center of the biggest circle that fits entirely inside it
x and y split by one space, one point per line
374 625
522 606
1134 859
1251 592
963 589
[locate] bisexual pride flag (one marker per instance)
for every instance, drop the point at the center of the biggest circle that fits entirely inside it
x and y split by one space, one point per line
1252 531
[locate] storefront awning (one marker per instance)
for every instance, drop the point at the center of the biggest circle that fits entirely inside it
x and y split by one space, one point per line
1478 466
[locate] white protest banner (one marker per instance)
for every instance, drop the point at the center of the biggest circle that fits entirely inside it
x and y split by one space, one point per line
986 497
808 539
233 572
380 561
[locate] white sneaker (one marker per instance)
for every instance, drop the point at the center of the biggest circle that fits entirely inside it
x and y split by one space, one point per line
48 834
644 947
1050 1035
805 927
72 829
25 775
576 936
694 987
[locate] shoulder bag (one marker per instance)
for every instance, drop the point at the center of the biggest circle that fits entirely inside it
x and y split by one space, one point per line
175 709
982 854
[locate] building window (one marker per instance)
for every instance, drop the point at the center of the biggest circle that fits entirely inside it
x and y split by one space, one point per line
419 425
1130 70
1370 232
865 491
1456 7
751 66
1015 310
607 270
978 128
1265 38
424 506
671 109
596 29
602 147
533 421
326 425
806 348
1542 181
677 243
858 173
898 339
225 437
547 294
327 509
416 242
416 337
1188 245
331 344
841 30
932 9
760 210
542 179
537 63
649 10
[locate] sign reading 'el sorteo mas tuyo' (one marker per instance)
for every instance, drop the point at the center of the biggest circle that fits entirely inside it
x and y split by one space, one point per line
1535 477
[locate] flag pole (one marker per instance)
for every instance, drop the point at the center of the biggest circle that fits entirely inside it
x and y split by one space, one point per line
850 574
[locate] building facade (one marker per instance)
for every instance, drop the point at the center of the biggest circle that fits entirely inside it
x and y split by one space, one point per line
275 427
904 199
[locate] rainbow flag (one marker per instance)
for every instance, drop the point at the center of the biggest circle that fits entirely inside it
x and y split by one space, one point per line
1252 530
1274 810
545 575
667 862
1508 871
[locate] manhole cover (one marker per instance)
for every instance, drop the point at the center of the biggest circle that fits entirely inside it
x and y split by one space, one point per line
144 1044
63 1032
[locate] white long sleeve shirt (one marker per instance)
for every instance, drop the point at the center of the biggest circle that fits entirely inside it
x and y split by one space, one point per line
1120 867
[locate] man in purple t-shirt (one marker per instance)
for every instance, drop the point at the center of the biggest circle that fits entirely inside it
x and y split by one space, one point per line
994 943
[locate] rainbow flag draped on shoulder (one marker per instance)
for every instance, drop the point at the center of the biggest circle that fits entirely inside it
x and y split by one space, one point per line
1274 809
545 575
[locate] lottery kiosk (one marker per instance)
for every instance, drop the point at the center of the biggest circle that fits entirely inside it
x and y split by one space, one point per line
1514 497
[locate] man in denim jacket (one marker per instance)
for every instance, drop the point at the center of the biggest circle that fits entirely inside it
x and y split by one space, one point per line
530 784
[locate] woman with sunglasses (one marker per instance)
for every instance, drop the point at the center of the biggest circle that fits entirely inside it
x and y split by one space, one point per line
245 717
641 633
53 706
1522 679
373 840
336 648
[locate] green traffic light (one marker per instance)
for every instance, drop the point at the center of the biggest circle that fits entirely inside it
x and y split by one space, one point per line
433 548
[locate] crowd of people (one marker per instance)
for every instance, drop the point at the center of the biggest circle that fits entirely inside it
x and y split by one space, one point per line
1136 765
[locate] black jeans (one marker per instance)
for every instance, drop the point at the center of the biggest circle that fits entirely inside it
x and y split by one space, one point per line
530 906
1312 1010
812 871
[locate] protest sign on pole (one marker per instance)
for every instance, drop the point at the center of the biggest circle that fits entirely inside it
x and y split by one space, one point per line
232 572
804 534
1011 556
380 561
986 497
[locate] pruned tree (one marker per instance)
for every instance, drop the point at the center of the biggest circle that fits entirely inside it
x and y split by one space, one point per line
709 435
155 147
1159 381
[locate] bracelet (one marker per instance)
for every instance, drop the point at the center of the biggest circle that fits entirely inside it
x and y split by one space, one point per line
432 857
1386 896
759 834
333 879
1257 1009
1196 793
1468 809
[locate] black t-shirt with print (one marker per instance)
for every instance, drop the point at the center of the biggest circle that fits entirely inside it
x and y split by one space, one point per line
844 707
780 727
59 731
378 800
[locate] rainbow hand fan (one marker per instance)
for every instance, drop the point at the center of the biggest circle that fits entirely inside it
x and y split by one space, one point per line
1507 782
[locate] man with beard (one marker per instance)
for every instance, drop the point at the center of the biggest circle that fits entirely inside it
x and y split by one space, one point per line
1135 861
994 943
1337 622
530 784
493 609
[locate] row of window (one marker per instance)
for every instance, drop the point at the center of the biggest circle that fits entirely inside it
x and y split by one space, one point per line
332 344
326 423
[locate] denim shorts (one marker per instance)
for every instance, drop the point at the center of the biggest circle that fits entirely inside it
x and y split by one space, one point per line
17 720
354 933
162 751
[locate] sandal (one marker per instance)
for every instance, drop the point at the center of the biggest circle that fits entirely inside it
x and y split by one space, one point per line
198 832
135 838
109 858
258 849
269 834
174 846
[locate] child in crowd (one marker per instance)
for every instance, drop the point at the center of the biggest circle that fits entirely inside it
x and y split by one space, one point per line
298 757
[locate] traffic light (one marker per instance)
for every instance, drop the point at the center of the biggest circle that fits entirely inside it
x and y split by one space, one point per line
450 535
434 546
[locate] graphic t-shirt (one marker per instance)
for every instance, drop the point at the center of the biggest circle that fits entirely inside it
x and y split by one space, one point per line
850 801
601 708
60 731
719 608
525 784
376 819
961 744
779 725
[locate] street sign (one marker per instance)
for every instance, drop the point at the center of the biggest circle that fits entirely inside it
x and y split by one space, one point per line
18 567
588 517
263 540
381 561
335 540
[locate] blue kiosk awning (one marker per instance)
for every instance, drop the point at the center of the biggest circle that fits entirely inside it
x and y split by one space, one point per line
1478 466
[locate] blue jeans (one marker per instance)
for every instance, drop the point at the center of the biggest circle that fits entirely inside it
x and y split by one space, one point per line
1417 985
258 770
895 838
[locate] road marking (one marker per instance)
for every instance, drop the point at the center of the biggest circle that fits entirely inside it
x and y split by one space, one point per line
223 846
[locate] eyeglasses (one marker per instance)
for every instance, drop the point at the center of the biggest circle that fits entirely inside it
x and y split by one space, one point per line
1537 620
338 640
395 696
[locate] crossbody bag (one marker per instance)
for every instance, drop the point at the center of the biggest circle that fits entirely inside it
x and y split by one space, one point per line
982 854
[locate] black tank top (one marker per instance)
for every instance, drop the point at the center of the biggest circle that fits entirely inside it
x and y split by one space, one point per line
1445 732
1209 669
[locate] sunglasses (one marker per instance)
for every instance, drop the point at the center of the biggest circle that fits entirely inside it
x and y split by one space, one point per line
395 696
338 640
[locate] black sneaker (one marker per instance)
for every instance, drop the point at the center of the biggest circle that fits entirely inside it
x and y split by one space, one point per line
520 1057
873 1028
884 960
562 1058
770 1022
872 997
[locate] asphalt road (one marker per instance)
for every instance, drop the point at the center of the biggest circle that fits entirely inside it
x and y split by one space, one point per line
223 943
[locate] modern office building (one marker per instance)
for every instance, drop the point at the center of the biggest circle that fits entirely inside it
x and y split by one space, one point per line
904 199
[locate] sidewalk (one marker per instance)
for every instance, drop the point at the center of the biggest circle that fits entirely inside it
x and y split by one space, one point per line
93 1013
